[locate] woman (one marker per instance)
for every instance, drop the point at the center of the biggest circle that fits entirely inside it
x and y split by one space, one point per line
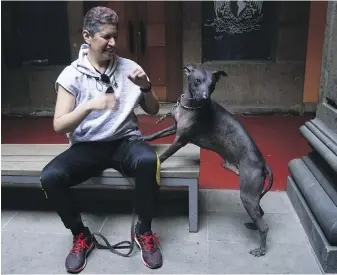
96 97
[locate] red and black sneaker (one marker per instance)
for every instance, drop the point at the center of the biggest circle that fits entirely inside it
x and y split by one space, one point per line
150 252
83 244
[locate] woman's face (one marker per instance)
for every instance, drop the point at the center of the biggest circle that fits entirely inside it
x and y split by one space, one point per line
103 43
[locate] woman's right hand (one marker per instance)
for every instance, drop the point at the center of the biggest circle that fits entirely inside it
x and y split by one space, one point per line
102 102
67 117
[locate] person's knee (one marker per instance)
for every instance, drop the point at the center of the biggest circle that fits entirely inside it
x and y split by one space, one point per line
52 177
149 167
148 160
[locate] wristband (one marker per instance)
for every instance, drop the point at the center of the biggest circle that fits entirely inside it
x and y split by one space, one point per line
147 90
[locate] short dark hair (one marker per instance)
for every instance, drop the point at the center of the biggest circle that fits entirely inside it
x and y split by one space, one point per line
98 16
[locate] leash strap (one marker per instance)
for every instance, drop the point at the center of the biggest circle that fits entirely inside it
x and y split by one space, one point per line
124 244
127 244
121 245
180 102
168 114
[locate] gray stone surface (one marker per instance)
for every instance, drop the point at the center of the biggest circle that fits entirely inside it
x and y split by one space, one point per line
115 226
317 199
48 222
256 85
33 253
227 200
233 258
328 115
37 243
311 201
229 227
251 85
326 254
6 217
328 87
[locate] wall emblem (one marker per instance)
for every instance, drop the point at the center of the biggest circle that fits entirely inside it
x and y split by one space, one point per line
236 17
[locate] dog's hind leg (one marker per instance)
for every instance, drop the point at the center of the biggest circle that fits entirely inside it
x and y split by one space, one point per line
251 225
160 134
251 185
230 167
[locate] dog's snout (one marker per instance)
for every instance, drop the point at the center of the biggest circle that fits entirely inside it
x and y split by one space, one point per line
204 95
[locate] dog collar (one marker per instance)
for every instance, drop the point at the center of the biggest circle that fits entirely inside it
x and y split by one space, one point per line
191 103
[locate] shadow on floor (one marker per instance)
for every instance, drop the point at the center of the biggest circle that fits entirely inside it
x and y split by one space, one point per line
95 200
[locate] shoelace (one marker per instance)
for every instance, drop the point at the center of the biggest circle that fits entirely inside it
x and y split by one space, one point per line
79 244
150 242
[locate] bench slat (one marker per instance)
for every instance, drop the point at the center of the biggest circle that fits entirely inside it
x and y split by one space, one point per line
178 160
30 159
190 150
175 169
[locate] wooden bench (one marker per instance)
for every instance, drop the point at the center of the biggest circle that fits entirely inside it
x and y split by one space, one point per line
23 163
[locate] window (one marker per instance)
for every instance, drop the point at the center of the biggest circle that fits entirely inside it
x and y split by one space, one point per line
36 31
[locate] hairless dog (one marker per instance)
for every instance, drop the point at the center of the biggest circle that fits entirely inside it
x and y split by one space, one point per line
205 123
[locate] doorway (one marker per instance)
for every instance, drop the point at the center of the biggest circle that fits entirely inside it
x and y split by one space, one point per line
150 33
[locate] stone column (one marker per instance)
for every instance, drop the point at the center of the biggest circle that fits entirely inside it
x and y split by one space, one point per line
312 186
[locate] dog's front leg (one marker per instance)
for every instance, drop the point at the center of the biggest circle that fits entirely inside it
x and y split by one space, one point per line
163 133
174 147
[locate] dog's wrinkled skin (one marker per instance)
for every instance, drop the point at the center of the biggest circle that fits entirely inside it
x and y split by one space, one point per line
203 122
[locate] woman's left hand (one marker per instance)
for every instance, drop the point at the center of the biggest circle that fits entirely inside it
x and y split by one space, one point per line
139 77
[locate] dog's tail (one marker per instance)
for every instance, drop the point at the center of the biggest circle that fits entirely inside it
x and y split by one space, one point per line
270 174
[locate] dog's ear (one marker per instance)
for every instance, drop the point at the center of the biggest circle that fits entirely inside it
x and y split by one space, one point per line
188 70
218 74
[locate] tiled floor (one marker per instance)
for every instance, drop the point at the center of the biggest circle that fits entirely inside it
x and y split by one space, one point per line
36 242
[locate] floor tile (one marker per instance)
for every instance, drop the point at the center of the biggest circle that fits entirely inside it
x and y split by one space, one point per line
229 227
229 200
168 227
31 253
287 258
6 217
49 222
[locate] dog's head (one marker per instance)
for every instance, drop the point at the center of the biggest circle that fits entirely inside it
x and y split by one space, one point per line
201 82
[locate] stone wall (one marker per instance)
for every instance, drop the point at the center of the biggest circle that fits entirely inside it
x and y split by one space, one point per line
29 90
266 86
275 85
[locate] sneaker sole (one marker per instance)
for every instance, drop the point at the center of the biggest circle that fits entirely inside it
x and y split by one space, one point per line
91 248
141 252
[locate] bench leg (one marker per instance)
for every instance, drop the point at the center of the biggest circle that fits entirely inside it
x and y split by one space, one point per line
193 207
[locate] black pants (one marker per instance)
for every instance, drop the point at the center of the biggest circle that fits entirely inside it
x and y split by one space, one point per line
85 160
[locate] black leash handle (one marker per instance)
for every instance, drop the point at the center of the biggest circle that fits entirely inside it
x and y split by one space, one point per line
128 244
113 248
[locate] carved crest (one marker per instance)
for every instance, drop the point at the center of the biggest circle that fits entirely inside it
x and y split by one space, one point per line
236 17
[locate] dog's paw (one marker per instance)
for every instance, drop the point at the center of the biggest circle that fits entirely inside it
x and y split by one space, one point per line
258 252
251 225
